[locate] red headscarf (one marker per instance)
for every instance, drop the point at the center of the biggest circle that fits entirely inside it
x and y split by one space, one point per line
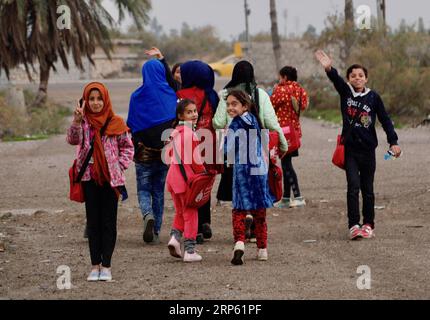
97 120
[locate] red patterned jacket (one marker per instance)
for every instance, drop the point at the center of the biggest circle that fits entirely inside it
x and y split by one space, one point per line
282 103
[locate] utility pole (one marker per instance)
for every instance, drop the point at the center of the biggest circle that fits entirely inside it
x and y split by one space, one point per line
275 35
247 13
380 7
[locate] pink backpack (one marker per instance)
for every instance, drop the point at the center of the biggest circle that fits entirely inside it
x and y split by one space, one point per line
199 186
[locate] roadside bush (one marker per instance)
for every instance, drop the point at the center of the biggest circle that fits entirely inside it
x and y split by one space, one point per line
398 62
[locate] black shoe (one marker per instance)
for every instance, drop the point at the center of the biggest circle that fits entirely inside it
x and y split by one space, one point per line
148 228
200 238
86 232
206 230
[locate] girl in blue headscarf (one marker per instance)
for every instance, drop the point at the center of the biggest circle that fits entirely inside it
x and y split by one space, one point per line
152 110
198 80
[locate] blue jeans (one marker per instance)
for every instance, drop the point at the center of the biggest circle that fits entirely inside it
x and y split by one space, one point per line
151 179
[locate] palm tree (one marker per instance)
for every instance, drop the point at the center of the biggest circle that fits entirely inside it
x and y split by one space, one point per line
29 34
275 35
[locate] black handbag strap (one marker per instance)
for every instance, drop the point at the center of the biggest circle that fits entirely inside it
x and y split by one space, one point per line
202 107
90 152
181 166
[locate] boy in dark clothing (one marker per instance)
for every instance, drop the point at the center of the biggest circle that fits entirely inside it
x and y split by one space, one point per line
360 106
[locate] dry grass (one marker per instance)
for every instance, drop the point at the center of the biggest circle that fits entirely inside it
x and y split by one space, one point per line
36 124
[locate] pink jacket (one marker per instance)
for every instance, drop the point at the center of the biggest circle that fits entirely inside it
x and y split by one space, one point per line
186 142
119 152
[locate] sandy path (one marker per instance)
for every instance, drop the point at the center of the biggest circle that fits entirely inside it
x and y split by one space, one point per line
34 178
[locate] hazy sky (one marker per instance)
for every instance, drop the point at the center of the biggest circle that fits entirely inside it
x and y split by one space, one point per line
228 15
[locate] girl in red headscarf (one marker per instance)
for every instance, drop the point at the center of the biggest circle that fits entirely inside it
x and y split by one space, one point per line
104 179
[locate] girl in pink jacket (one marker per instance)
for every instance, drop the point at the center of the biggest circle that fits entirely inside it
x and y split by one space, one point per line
184 143
104 178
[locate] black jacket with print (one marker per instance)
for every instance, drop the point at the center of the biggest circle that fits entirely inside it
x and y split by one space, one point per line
363 136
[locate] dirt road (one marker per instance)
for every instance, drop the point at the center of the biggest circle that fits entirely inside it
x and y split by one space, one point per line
42 230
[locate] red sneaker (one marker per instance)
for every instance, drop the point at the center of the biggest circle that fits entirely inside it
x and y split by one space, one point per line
367 231
355 232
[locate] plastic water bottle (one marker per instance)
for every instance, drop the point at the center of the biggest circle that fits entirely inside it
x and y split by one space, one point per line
389 155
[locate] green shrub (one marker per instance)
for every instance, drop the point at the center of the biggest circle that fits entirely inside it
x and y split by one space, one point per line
398 64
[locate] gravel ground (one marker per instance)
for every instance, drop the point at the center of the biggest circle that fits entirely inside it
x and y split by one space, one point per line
41 230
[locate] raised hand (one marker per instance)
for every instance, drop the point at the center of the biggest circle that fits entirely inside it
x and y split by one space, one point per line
154 52
324 59
79 113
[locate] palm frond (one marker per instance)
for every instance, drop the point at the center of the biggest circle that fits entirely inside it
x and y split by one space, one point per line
29 32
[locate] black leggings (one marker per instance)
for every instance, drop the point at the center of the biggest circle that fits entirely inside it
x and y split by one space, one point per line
204 215
290 178
225 188
360 173
101 204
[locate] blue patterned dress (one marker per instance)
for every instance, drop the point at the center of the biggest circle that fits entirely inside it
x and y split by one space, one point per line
244 150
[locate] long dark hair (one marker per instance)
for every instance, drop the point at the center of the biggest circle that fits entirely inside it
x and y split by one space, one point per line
180 109
246 100
176 66
243 72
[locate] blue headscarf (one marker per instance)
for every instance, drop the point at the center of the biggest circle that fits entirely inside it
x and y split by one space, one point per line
199 74
154 102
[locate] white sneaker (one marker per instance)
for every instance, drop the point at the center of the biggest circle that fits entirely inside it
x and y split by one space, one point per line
355 232
262 254
238 252
174 247
192 257
94 275
367 232
105 275
298 203
284 203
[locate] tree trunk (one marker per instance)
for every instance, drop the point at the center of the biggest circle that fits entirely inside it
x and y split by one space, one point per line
349 29
15 99
275 35
42 93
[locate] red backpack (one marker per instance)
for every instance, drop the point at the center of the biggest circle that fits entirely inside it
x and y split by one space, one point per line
199 186
275 172
275 181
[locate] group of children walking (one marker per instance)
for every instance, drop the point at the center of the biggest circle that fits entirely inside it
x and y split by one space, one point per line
184 101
